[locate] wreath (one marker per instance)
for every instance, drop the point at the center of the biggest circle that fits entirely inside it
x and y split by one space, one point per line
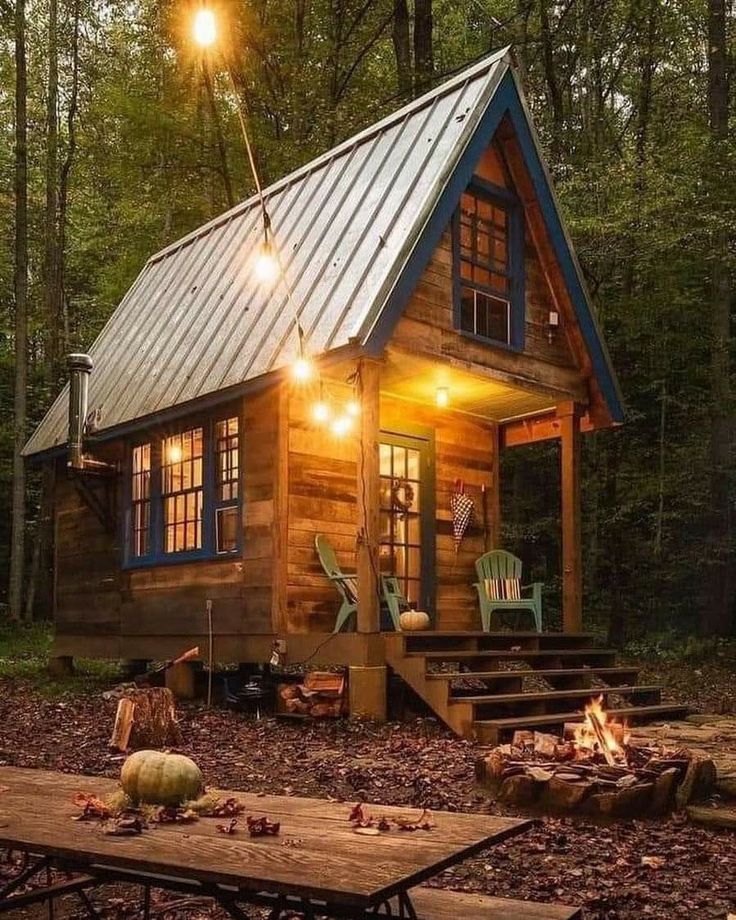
402 494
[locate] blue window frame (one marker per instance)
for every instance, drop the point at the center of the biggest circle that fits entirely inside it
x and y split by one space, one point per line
183 494
488 265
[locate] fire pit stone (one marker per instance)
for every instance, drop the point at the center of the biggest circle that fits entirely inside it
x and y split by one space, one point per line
594 770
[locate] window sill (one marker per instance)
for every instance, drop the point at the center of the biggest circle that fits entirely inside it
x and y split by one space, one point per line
177 559
494 343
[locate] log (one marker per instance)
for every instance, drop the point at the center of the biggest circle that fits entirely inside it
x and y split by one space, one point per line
663 796
563 796
519 789
145 718
713 817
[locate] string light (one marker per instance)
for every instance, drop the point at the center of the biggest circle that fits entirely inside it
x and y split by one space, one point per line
341 425
204 28
301 369
174 453
266 266
442 397
353 408
321 411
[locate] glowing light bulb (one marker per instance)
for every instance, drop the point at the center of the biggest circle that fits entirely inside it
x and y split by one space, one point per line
301 370
442 397
267 266
204 29
321 411
341 425
353 407
174 453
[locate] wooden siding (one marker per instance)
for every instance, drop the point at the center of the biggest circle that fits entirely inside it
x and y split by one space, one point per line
322 491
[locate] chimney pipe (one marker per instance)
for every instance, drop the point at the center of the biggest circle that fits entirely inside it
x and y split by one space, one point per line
80 367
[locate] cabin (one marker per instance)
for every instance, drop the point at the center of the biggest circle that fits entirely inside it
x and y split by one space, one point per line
429 314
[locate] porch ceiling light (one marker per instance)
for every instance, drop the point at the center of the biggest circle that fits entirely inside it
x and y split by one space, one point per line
321 411
352 407
341 425
442 397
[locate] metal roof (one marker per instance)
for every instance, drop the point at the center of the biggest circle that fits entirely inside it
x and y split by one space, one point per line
196 321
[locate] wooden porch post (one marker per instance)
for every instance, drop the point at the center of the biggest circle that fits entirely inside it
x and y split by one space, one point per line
494 498
368 682
572 565
367 496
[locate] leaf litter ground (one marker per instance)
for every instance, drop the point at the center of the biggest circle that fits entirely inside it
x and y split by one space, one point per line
643 869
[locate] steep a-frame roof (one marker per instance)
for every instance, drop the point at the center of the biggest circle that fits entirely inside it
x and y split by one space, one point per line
354 228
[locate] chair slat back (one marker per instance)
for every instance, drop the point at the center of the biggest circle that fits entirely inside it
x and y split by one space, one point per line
498 564
327 555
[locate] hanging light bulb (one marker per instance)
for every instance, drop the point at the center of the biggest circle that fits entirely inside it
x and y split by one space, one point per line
204 28
341 425
301 369
174 453
442 397
352 407
321 411
266 265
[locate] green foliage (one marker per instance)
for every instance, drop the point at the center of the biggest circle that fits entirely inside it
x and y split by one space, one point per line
24 655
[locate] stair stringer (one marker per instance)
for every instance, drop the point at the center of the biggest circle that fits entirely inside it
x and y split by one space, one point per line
436 694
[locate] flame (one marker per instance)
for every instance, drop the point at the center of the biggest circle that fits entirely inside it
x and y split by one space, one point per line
597 734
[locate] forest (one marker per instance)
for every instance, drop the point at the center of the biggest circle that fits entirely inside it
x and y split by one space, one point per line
118 137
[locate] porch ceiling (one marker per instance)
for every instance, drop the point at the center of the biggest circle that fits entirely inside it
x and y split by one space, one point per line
416 378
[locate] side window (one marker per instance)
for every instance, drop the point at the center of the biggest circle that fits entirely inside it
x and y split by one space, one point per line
140 501
489 284
227 484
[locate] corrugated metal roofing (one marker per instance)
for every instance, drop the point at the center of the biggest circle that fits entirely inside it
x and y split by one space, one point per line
196 321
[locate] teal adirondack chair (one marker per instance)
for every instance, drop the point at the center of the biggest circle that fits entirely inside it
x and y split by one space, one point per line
499 587
347 587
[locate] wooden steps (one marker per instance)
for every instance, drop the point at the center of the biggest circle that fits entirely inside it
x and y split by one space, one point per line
439 904
488 701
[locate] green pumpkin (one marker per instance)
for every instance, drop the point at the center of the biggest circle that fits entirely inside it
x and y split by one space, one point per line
161 779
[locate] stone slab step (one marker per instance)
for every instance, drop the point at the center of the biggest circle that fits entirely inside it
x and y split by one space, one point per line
439 904
491 731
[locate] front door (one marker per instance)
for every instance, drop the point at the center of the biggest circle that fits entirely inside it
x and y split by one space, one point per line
407 511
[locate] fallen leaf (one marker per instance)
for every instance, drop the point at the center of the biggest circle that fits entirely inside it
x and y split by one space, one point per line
367 831
654 862
262 827
228 828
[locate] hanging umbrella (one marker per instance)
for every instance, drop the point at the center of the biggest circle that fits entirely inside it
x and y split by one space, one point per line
462 507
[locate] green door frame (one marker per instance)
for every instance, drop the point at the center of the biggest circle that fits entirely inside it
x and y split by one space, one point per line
416 437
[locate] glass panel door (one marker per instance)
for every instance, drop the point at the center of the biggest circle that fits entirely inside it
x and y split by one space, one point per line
402 525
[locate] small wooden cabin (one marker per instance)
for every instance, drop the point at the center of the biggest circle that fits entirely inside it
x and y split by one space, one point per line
429 269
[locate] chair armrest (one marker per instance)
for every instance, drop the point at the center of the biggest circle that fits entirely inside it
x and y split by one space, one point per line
534 584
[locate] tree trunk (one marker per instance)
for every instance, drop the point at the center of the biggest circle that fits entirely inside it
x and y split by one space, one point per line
52 318
219 136
554 94
423 50
402 47
718 614
17 545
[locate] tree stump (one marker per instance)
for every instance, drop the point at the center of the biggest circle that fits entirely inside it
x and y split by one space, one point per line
146 718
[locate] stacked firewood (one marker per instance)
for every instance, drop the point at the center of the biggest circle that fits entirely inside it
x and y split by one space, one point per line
320 695
541 771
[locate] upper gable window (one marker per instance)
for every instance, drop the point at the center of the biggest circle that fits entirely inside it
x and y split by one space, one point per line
489 259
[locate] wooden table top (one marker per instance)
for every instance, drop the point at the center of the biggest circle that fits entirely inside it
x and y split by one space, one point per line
317 854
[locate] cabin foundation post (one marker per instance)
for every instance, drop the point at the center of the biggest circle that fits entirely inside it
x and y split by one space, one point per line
572 564
368 681
61 666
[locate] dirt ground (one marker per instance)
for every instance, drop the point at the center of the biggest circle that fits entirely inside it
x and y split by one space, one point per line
642 869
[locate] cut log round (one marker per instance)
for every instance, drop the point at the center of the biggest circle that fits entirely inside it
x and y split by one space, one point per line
663 795
519 789
146 718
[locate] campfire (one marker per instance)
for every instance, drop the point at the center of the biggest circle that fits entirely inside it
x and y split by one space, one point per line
594 769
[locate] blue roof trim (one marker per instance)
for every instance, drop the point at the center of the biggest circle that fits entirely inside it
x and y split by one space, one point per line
505 101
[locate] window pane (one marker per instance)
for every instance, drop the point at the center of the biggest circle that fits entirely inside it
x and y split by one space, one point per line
227 529
140 490
181 485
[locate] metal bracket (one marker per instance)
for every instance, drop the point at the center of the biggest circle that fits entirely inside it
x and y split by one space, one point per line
99 498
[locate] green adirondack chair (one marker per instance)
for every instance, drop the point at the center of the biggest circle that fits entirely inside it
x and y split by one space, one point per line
347 587
499 587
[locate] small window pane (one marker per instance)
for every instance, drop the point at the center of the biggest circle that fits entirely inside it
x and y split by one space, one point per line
227 529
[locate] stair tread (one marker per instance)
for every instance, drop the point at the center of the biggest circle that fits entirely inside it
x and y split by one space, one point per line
557 717
453 655
542 672
554 694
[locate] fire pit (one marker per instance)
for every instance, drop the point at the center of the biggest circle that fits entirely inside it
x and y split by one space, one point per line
594 770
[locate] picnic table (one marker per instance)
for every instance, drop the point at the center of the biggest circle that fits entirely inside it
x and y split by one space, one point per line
317 864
